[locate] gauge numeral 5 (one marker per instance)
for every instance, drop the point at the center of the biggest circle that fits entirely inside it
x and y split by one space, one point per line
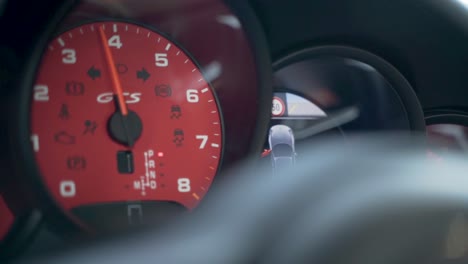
161 59
183 185
41 93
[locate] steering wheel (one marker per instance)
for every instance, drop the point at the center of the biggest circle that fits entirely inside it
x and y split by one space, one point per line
363 202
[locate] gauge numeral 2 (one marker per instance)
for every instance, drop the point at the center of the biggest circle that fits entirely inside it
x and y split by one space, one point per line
41 93
183 185
67 189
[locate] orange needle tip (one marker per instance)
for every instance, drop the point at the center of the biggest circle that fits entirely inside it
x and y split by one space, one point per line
116 84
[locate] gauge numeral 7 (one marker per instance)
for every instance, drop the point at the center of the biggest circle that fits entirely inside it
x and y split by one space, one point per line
204 139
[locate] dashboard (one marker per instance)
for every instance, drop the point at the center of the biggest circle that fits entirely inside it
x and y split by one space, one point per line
128 113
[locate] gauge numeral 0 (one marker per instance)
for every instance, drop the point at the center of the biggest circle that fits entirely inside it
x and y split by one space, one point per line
183 185
67 189
161 59
41 93
69 56
192 96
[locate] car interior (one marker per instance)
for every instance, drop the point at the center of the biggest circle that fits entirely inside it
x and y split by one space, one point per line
233 131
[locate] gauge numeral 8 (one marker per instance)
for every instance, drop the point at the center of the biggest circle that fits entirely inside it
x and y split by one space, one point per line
183 185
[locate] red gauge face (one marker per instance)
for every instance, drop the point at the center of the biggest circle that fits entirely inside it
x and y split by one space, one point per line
122 117
6 220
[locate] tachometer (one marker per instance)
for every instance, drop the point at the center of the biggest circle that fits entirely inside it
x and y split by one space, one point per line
122 119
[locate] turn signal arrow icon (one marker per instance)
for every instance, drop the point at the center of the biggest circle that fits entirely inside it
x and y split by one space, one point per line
94 73
143 74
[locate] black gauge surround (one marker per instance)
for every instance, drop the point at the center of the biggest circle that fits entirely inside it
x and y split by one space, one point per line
241 50
321 63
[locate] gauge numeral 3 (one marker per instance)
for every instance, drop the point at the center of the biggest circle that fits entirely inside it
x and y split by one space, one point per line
69 56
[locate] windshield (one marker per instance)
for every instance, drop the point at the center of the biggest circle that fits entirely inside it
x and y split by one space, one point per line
282 150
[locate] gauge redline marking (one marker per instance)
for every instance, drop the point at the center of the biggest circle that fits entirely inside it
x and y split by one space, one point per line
78 154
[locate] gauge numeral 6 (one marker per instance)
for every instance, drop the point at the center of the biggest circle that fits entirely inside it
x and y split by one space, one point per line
69 56
192 96
161 59
41 93
115 42
67 189
183 185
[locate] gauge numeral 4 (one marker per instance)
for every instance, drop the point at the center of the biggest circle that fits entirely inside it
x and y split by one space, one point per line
161 59
115 42
183 185
67 189
41 93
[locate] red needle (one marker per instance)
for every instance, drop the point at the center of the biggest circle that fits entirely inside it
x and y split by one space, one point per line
113 72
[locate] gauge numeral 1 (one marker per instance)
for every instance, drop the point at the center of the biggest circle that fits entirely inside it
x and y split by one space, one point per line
183 185
161 59
204 139
69 56
192 96
67 189
41 93
35 142
115 42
